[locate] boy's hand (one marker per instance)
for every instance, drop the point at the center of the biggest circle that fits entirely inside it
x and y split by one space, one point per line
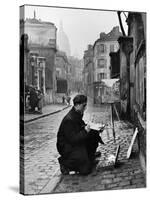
87 128
102 128
101 141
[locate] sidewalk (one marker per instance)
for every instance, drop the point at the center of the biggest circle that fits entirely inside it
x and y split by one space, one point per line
46 111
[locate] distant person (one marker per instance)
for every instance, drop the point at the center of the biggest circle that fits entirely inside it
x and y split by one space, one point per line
63 99
27 94
68 98
69 91
40 101
33 99
27 101
76 142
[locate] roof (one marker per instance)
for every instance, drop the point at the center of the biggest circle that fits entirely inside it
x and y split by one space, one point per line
113 35
37 21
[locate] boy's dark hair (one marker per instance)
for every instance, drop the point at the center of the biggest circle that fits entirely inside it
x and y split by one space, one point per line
79 99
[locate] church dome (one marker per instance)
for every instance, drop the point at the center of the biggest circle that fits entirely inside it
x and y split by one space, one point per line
63 41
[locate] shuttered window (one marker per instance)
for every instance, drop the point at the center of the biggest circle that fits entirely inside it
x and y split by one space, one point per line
101 63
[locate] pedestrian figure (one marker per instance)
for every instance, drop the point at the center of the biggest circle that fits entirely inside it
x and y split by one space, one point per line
63 99
76 142
40 101
68 100
27 101
33 99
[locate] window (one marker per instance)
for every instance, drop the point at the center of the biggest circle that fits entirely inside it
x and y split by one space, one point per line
101 48
101 63
100 76
111 48
58 72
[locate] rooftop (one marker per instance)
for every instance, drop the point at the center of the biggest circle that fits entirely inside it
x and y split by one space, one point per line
34 20
37 21
113 35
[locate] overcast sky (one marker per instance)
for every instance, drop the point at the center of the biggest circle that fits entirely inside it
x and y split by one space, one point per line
81 26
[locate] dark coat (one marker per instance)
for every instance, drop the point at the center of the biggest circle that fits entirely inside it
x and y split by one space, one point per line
72 140
33 99
71 132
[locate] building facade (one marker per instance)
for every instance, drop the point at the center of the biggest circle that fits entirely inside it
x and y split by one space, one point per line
133 78
106 44
137 30
76 68
42 45
88 71
61 65
102 47
62 74
24 58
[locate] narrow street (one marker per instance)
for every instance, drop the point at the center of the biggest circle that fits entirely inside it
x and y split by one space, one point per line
108 65
40 152
40 148
42 174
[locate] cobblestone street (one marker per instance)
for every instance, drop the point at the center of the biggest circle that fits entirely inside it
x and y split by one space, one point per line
42 174
75 102
128 174
40 152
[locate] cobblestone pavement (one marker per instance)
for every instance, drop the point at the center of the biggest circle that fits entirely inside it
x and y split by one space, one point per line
41 167
126 175
40 154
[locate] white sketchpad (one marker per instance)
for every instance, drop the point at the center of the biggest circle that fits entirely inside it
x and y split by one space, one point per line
110 82
96 126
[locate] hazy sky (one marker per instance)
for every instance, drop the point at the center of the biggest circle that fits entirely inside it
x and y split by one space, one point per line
81 26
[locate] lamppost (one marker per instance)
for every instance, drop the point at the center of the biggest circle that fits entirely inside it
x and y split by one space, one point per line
34 71
41 73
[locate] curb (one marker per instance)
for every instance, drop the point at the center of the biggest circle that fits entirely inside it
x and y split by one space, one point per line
44 115
52 184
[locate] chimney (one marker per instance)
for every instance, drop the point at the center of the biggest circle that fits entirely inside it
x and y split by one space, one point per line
89 46
116 30
102 35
